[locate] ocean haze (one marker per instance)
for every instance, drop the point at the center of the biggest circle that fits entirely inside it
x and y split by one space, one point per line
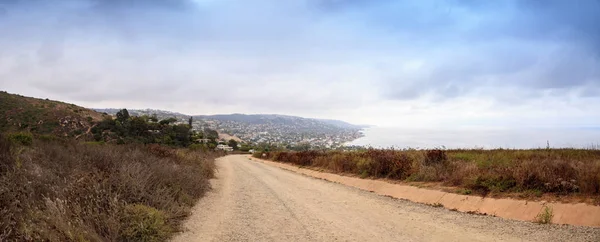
487 138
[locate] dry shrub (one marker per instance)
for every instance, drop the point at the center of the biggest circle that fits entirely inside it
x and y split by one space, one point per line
7 161
561 171
160 151
78 192
143 223
588 175
435 157
558 176
341 163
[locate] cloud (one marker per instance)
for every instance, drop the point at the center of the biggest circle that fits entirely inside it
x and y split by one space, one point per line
303 57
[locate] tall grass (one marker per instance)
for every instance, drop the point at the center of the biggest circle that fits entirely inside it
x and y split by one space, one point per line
52 191
559 171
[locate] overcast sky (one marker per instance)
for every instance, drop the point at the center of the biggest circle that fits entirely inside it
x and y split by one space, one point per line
517 63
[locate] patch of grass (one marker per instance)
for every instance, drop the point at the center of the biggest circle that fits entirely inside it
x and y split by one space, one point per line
545 216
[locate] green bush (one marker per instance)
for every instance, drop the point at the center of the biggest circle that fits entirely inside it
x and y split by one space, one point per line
143 223
21 138
363 165
47 137
545 216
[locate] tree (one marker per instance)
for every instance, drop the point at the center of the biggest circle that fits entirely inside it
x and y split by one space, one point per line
122 115
190 121
167 121
233 143
153 118
138 127
211 134
181 134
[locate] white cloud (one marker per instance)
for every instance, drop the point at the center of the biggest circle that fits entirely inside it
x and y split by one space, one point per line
377 63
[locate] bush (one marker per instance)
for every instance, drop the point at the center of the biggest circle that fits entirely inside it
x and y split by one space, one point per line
70 191
436 156
21 138
47 138
6 157
545 216
558 171
143 223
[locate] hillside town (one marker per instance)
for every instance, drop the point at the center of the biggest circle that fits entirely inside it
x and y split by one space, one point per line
287 131
319 134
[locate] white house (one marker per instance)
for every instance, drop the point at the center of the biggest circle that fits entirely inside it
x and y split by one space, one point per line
224 147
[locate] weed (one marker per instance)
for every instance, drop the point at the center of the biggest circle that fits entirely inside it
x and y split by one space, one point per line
545 216
437 205
464 191
364 174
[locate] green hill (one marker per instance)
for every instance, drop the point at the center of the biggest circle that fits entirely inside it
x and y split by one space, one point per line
39 116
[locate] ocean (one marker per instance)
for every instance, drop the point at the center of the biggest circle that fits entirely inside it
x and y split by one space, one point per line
486 138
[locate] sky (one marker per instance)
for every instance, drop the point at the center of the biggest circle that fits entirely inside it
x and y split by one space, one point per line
426 63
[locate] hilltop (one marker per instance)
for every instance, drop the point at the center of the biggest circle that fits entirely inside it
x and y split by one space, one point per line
280 119
43 116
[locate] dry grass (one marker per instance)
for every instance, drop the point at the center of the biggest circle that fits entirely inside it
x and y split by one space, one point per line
91 192
556 171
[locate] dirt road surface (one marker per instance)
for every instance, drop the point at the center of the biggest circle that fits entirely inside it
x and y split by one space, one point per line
253 201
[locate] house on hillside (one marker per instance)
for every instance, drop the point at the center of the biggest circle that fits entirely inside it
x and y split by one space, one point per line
203 141
224 147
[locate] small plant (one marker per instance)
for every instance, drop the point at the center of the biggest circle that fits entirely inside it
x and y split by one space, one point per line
464 191
545 216
437 205
364 174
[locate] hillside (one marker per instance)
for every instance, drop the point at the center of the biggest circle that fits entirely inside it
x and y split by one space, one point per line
266 128
279 119
160 114
43 116
283 129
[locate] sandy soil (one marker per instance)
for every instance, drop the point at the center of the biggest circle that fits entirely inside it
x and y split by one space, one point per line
253 201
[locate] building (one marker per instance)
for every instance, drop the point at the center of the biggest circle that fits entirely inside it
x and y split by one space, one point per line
204 141
224 147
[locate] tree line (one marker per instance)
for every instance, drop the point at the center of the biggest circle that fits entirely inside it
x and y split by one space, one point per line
125 128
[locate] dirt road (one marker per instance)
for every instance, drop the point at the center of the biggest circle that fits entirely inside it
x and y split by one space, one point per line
252 201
